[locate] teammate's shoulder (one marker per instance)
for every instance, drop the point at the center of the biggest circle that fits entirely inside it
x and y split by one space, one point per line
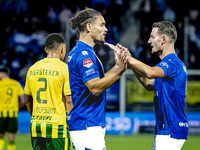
175 60
80 55
62 63
170 59
85 54
37 63
14 81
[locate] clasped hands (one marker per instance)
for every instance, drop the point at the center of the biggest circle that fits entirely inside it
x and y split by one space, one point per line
122 53
121 56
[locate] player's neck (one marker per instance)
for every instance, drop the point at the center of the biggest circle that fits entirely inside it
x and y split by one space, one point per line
87 39
53 54
5 77
168 49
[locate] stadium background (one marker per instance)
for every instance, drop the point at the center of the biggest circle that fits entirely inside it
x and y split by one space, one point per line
25 24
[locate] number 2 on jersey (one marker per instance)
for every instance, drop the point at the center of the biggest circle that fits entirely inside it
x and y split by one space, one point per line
39 100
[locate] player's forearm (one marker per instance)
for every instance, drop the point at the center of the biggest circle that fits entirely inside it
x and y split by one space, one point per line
21 102
119 70
141 68
69 103
29 108
105 83
110 78
29 104
110 71
146 83
97 86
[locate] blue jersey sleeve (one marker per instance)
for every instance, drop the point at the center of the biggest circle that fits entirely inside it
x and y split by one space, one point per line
86 64
168 67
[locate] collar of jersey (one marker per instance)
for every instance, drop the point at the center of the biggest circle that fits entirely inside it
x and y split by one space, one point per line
51 59
5 79
171 54
88 47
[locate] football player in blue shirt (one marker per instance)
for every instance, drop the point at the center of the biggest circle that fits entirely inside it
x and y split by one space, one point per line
88 82
168 80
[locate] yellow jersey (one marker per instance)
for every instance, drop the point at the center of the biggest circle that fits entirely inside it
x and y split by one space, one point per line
47 81
10 90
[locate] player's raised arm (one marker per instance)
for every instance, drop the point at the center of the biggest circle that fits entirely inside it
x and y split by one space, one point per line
97 85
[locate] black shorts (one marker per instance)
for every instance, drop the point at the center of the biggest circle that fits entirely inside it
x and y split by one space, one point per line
39 143
8 125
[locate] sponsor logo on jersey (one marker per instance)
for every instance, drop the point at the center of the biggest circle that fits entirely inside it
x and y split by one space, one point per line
87 63
183 124
84 52
91 71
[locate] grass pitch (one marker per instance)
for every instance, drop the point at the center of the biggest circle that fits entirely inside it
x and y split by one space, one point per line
126 142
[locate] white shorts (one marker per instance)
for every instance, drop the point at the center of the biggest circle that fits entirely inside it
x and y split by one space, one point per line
164 142
90 139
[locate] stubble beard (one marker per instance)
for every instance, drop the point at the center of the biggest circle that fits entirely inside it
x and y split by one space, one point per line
158 53
99 41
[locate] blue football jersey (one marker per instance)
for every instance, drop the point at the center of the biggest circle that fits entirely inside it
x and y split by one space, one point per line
88 109
169 98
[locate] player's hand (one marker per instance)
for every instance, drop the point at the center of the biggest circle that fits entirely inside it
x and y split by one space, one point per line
115 48
120 57
116 52
125 54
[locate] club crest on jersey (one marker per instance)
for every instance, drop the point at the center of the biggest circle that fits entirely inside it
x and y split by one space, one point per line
87 63
84 52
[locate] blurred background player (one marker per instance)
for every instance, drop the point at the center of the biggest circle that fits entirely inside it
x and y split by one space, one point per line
48 96
87 119
11 100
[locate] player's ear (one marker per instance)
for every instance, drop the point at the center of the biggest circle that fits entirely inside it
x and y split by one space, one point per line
88 27
63 47
163 39
45 49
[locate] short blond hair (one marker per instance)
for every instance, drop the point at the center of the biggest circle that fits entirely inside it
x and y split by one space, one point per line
167 28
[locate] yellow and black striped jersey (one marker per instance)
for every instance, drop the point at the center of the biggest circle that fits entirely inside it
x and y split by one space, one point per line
10 90
47 81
